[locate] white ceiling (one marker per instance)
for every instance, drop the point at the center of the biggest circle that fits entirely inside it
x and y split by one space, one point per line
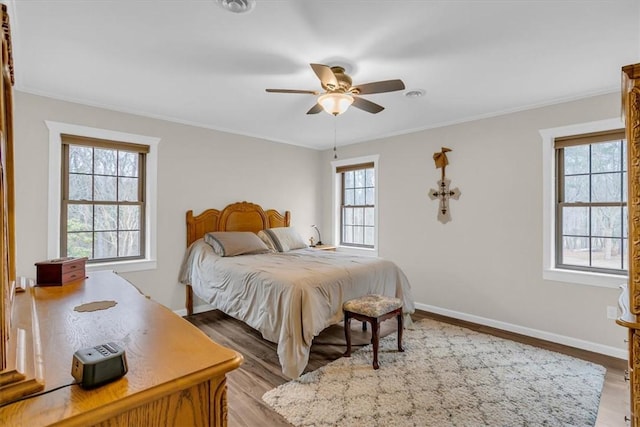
193 62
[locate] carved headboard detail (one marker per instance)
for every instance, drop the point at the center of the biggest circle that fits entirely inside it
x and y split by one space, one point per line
240 216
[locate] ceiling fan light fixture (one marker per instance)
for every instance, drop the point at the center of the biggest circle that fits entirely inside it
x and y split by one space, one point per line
335 103
237 6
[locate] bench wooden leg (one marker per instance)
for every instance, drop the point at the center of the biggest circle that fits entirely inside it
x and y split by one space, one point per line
375 340
375 330
400 329
347 333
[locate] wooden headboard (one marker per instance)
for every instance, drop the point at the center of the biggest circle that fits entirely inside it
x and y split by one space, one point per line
241 216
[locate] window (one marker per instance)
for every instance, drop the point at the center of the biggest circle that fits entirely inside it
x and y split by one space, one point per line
560 184
591 202
84 216
557 196
103 199
591 214
356 200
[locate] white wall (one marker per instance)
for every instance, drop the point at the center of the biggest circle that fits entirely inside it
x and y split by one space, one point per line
197 169
485 265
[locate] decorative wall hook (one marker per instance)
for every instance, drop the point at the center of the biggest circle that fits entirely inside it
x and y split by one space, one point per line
443 193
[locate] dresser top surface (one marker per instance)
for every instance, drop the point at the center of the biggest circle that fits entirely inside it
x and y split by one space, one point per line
160 346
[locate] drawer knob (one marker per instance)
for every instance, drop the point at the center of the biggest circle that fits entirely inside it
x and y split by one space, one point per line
626 375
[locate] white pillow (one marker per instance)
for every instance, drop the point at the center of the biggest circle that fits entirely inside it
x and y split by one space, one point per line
232 243
267 240
283 239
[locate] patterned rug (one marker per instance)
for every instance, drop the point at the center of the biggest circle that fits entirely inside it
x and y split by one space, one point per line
447 376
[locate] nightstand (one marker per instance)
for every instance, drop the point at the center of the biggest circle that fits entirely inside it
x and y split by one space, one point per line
324 247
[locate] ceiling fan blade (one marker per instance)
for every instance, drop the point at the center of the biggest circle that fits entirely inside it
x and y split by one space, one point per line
325 75
311 92
379 87
315 109
366 105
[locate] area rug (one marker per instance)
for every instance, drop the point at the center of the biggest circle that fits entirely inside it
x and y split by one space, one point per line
447 376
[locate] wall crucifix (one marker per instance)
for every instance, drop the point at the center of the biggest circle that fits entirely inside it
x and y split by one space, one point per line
443 193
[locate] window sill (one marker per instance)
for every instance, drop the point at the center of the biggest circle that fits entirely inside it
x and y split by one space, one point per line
584 278
358 251
124 266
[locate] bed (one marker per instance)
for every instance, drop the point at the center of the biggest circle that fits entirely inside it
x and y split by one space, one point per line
289 297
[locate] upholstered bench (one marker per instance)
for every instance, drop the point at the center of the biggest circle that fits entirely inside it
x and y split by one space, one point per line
373 309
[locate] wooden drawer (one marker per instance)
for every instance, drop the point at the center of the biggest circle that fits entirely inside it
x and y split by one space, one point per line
60 271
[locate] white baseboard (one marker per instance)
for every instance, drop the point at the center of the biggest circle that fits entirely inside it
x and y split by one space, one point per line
620 353
535 333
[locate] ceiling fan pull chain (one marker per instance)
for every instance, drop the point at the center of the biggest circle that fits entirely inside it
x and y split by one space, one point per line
335 151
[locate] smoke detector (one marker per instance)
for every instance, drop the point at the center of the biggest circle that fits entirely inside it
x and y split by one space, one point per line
237 6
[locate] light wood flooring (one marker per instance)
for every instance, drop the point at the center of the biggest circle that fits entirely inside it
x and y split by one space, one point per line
261 372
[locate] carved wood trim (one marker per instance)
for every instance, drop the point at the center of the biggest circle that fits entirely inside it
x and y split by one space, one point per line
7 239
278 220
634 378
633 170
240 216
199 225
218 406
243 216
633 143
630 317
6 30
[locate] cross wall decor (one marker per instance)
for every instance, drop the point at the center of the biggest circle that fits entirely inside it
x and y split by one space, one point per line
443 193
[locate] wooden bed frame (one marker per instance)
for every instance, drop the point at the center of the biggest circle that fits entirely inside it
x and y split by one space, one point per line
240 216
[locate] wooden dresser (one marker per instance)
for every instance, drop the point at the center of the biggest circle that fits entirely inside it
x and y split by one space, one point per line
630 298
176 377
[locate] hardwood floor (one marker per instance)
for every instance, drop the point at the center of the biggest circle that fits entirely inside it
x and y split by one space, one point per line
261 369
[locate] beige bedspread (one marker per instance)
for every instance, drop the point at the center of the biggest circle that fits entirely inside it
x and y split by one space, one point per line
290 297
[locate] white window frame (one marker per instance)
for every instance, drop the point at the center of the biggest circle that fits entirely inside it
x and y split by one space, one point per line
56 129
337 194
549 271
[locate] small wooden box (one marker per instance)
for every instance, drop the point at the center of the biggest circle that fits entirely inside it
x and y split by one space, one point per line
56 272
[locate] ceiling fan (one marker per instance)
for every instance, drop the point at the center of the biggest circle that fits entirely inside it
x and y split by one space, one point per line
339 93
